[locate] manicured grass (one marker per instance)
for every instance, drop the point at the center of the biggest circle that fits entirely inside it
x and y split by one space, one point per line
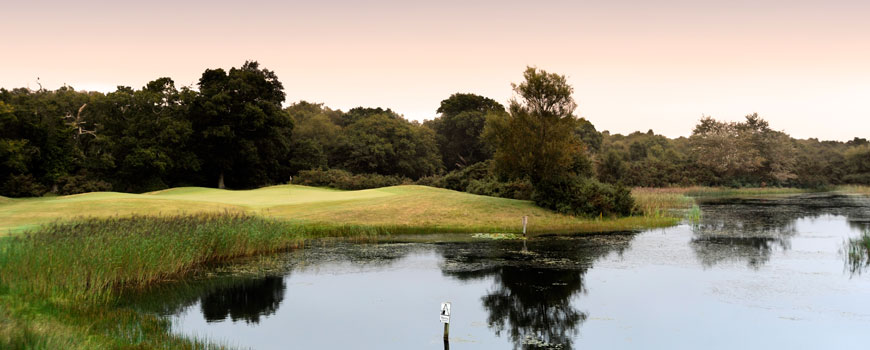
399 206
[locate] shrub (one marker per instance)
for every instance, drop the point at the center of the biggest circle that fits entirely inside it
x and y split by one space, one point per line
583 196
23 186
342 179
490 186
478 179
82 183
460 179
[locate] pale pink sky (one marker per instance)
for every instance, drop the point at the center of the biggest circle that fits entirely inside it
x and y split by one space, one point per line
635 65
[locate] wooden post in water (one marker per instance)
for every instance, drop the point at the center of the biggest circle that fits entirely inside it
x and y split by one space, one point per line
525 222
446 332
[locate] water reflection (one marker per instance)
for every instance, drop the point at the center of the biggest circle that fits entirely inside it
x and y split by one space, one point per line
748 231
530 299
246 301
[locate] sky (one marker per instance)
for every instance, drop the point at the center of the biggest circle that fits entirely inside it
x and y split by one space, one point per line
804 66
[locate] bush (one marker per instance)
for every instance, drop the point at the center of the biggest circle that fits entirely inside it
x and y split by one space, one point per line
81 183
583 196
23 186
460 179
345 180
857 179
490 186
478 179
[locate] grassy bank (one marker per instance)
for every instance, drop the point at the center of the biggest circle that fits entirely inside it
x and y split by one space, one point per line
411 207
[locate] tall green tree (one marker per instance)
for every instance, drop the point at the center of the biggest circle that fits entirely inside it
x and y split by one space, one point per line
535 139
242 133
149 133
611 168
383 144
587 133
459 127
747 152
317 137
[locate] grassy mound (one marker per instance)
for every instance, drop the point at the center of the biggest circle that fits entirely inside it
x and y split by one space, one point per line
399 206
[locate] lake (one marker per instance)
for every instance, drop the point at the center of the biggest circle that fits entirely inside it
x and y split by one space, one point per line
752 274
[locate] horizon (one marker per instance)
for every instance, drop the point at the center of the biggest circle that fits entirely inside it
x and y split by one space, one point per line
800 65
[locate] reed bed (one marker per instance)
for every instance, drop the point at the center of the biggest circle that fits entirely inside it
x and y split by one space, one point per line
660 201
855 189
858 253
748 191
91 260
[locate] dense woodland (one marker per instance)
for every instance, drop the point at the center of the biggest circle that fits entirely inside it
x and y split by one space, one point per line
233 132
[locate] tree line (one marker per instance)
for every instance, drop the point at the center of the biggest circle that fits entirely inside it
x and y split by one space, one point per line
233 132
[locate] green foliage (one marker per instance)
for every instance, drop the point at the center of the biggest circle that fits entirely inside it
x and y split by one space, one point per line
586 132
611 169
317 137
241 131
82 183
23 186
491 186
390 145
535 139
459 127
307 154
341 179
143 135
746 152
479 179
583 196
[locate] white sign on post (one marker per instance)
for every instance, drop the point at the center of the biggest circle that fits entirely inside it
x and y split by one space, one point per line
445 312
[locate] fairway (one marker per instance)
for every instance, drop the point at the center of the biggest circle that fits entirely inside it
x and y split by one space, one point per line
409 205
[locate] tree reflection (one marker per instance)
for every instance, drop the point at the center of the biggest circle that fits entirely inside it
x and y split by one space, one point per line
530 300
246 301
535 304
750 230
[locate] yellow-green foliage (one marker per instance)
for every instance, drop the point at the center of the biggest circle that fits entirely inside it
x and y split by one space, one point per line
398 206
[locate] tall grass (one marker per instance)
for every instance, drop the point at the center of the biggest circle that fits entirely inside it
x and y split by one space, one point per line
748 191
90 260
856 189
660 201
858 253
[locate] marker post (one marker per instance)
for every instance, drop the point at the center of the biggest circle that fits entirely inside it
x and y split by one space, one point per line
445 319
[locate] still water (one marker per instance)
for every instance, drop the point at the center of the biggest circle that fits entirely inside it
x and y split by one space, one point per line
753 274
